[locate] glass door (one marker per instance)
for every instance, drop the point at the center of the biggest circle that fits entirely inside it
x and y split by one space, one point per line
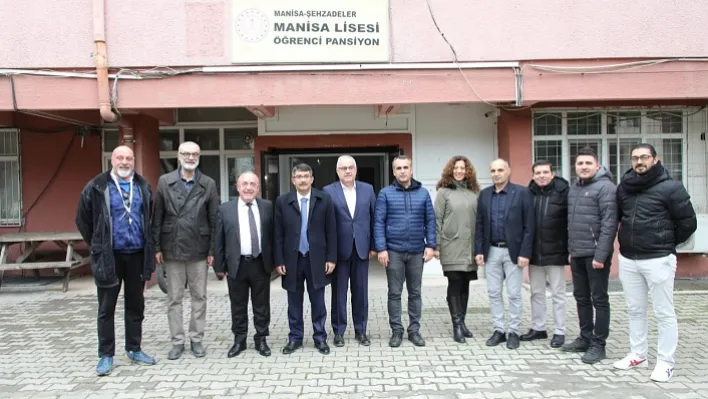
235 165
371 168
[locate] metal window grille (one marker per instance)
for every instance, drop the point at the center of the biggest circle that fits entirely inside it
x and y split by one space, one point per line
559 134
10 183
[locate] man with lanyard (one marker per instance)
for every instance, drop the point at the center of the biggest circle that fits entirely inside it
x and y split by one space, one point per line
113 217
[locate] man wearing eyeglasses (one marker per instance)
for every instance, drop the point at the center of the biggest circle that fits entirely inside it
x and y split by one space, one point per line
183 233
305 252
655 215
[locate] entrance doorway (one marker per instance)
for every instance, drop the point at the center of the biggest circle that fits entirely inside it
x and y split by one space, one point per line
373 167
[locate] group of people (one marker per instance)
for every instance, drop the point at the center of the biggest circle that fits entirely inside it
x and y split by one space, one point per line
313 238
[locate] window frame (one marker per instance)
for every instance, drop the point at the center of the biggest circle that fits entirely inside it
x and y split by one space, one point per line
645 135
222 152
19 221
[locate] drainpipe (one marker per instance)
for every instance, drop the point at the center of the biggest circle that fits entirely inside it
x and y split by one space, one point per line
108 112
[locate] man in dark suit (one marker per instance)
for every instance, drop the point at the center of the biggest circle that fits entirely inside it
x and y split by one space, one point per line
503 244
305 251
354 203
243 252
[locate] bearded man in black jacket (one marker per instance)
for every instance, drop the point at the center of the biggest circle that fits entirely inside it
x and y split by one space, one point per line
655 215
550 252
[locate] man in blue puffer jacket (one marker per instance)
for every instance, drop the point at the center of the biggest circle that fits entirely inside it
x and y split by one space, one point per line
404 234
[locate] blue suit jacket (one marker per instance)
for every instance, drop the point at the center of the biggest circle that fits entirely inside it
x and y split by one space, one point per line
518 222
361 226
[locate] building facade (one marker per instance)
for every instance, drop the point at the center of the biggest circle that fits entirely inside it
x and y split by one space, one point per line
263 87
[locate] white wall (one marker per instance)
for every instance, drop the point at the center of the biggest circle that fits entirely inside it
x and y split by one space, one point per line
334 119
443 131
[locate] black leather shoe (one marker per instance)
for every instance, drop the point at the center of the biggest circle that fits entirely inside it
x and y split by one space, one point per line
322 347
557 341
198 349
396 339
362 339
512 341
416 339
533 335
237 349
338 340
176 352
291 347
262 348
497 338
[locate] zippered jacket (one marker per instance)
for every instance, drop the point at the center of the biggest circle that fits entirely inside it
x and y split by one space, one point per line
655 214
592 217
550 244
404 220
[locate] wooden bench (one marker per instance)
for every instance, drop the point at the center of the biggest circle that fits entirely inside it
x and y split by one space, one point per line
31 241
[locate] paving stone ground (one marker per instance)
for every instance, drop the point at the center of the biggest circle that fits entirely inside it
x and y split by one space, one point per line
48 350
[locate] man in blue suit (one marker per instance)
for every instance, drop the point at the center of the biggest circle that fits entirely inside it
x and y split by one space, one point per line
305 250
503 243
354 203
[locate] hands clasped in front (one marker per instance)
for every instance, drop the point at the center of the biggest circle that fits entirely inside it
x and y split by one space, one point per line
329 268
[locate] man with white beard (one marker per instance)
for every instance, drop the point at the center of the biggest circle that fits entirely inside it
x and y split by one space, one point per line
183 226
113 217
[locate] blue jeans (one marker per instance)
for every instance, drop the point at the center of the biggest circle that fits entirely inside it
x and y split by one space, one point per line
408 268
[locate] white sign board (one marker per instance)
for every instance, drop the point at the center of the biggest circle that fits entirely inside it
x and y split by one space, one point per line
309 31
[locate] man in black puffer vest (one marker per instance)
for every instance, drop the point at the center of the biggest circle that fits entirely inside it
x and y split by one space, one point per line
550 252
655 215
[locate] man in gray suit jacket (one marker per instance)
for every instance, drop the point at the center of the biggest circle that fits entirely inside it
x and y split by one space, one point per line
243 252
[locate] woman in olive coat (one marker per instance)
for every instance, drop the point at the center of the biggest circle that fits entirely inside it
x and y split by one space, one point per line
455 214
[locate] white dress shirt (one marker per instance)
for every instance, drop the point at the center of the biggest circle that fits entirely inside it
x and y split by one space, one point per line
350 197
299 204
244 227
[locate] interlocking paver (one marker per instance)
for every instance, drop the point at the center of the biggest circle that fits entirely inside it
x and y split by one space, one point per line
48 349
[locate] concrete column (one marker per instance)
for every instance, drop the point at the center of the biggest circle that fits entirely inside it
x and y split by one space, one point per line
147 148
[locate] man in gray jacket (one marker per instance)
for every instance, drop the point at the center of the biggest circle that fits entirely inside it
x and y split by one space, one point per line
592 226
183 232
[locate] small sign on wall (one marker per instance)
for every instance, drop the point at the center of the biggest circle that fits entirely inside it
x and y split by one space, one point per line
309 31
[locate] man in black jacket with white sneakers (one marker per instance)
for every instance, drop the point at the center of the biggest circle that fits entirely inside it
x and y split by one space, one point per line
655 215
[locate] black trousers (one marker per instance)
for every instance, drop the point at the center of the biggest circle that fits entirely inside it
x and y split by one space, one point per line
590 291
458 283
250 276
129 268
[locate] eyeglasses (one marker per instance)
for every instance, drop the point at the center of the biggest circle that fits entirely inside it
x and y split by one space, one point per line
346 168
189 154
644 158
301 177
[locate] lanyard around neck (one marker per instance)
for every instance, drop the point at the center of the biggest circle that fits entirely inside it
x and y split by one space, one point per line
130 195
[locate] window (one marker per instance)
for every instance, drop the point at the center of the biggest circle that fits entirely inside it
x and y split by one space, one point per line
10 189
226 150
558 135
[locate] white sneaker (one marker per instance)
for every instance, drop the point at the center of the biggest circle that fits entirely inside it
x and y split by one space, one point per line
662 372
631 361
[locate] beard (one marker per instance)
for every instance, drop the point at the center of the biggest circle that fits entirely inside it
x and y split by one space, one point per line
123 173
190 167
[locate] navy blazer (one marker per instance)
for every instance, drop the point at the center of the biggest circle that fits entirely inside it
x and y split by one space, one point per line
361 226
518 222
321 235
